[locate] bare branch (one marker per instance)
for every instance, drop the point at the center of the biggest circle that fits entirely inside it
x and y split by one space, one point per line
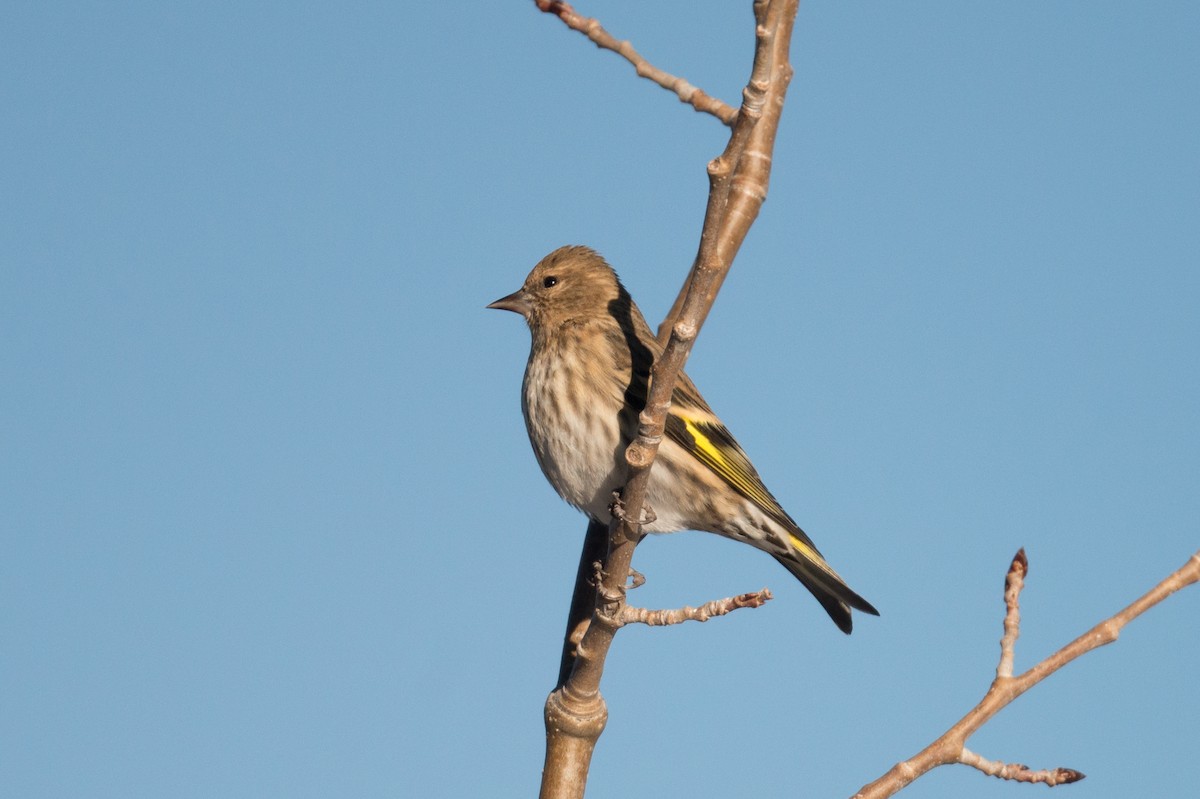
739 176
1107 631
737 189
583 600
717 607
1018 773
951 746
686 92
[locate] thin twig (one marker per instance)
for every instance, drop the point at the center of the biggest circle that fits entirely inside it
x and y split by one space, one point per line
686 92
717 607
1019 773
1014 581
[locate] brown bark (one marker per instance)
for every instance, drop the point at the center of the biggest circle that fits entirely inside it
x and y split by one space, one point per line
575 711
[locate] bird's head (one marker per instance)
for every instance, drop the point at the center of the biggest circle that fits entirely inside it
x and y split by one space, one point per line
570 283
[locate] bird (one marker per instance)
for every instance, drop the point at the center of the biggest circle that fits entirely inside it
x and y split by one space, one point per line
586 383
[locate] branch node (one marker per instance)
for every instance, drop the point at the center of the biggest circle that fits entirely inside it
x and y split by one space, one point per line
640 453
684 330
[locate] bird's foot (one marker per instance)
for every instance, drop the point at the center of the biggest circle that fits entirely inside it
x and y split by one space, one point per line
617 509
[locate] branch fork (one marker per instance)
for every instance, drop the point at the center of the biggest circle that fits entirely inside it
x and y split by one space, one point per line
951 748
616 607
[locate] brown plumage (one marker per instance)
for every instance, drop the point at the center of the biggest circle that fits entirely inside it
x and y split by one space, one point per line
585 384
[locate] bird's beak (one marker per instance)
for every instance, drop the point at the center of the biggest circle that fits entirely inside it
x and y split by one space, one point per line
517 302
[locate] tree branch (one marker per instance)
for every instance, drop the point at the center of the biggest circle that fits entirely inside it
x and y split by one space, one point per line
717 607
583 599
686 92
951 746
738 177
575 711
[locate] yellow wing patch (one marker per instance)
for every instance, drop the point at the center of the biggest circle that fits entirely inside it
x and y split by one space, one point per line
702 442
711 444
723 456
806 549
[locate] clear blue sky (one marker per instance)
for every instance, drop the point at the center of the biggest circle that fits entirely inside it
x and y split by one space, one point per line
271 525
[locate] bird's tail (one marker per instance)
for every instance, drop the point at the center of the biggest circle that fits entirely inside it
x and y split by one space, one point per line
807 565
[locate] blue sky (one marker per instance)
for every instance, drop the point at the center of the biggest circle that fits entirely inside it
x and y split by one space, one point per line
271 525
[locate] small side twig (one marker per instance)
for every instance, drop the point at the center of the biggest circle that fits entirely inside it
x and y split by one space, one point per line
687 93
1014 581
717 607
1019 773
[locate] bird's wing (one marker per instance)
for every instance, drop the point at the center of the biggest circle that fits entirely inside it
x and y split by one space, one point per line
692 425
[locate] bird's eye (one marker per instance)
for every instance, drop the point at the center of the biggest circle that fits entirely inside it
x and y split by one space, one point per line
550 281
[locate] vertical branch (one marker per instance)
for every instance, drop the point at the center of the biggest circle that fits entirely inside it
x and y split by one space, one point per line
583 600
575 711
739 176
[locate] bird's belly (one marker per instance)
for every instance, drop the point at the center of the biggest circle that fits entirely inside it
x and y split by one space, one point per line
577 448
581 451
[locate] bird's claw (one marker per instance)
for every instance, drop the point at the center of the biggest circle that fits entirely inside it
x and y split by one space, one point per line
617 509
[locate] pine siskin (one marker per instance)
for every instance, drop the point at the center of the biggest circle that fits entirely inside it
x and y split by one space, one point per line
585 385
